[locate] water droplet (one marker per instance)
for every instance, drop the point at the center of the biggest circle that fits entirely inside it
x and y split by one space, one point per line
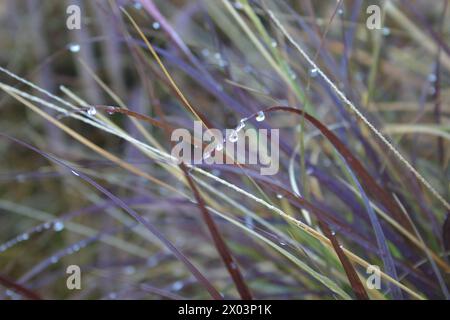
130 270
222 63
58 226
25 237
282 243
333 233
341 246
74 47
432 77
112 296
54 259
292 74
219 147
279 196
47 225
137 5
241 125
313 72
156 25
237 5
205 52
233 136
110 110
273 43
92 111
75 173
233 265
261 116
177 286
217 55
340 12
386 31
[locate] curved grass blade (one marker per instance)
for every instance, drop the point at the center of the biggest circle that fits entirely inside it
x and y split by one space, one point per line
220 244
352 276
370 184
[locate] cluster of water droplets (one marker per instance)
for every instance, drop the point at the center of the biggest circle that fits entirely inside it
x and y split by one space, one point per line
218 147
5 246
92 110
333 234
234 135
217 58
432 78
77 246
57 226
220 60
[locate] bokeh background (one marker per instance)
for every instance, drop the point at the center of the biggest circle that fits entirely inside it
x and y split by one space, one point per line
230 61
